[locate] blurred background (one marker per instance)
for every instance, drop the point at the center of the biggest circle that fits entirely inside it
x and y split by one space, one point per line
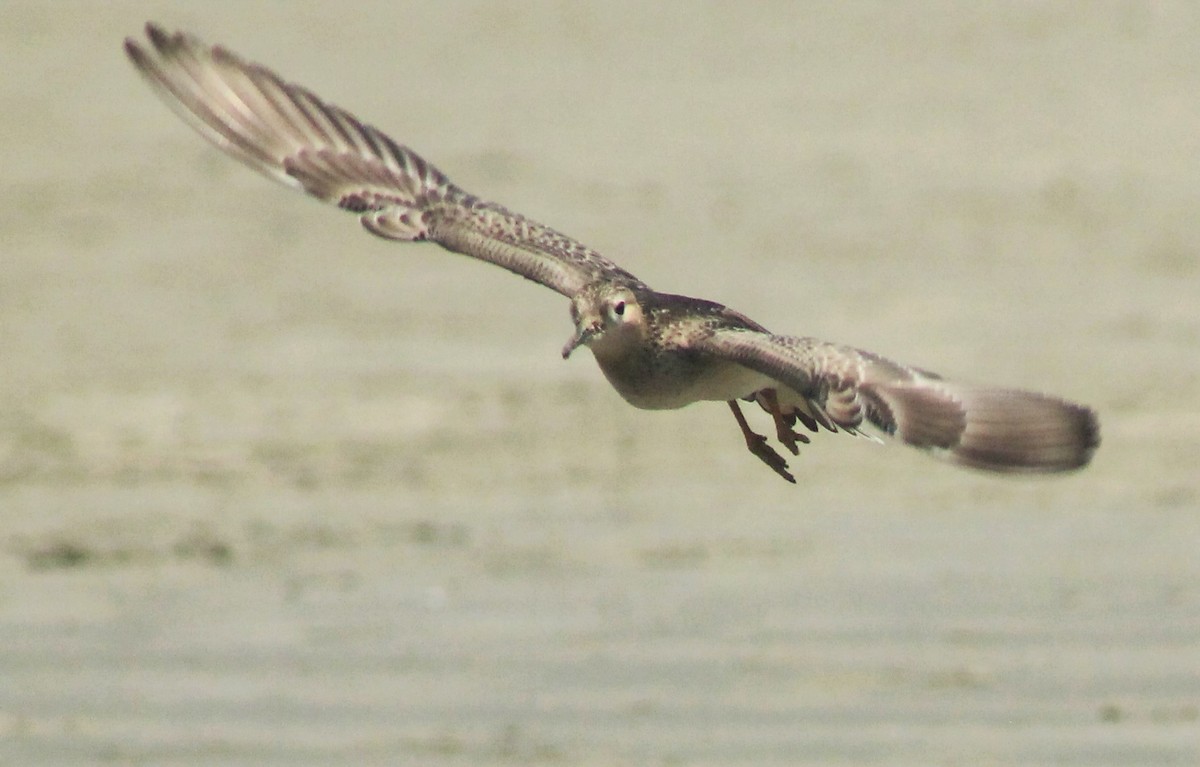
273 491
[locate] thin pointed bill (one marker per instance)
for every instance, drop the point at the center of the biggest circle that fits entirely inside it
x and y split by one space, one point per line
581 337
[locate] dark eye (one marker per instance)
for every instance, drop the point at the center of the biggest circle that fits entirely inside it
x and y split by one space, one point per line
619 308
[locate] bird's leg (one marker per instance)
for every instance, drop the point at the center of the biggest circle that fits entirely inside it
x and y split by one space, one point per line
757 444
783 427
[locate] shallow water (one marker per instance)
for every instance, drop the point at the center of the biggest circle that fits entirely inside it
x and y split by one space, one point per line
275 492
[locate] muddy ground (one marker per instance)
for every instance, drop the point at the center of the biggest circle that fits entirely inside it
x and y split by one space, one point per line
274 492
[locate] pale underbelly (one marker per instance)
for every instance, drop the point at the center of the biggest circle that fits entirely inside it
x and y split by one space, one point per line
711 382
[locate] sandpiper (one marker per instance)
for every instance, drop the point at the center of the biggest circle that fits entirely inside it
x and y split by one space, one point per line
658 350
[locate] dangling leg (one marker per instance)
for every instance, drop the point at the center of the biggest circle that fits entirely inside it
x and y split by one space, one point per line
783 428
757 444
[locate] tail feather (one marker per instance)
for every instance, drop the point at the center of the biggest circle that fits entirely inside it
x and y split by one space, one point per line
1004 430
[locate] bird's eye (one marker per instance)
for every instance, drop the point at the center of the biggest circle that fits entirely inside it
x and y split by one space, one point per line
619 308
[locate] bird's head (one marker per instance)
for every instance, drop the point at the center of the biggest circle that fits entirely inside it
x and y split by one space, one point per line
606 317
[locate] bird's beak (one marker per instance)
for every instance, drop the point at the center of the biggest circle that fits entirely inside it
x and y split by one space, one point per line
582 336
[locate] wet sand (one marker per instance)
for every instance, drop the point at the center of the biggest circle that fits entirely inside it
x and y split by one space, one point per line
275 492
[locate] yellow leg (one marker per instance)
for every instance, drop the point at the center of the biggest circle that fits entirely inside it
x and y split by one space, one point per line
783 430
757 445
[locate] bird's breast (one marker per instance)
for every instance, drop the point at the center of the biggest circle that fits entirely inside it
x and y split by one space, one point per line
666 380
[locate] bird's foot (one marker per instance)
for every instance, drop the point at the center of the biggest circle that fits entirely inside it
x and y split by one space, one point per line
783 423
757 445
788 438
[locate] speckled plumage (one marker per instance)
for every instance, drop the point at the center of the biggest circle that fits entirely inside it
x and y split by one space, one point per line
658 350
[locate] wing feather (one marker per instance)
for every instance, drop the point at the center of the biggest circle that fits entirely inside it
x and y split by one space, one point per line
291 135
991 428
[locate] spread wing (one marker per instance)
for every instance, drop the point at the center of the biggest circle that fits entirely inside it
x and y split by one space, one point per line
289 134
984 427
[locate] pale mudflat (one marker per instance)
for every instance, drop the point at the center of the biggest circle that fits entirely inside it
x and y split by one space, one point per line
269 497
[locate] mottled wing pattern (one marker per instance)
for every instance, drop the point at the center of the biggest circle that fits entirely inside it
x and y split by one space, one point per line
289 134
979 426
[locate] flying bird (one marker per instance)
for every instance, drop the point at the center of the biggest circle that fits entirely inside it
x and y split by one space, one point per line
658 350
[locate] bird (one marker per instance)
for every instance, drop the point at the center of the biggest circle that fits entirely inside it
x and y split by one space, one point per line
658 350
